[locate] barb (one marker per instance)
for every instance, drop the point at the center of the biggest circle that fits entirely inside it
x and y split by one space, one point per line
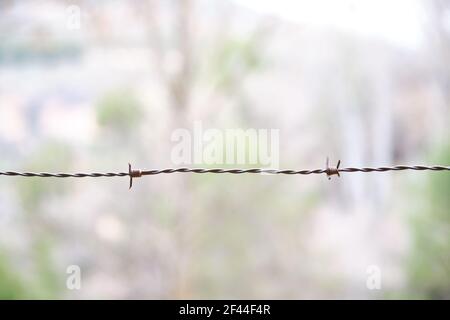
329 171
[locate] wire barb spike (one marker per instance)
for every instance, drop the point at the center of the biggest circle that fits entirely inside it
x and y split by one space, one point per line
332 171
133 174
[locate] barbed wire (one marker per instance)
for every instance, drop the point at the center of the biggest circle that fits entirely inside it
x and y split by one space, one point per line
132 173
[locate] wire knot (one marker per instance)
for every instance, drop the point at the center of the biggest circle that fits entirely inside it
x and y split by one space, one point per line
133 174
330 171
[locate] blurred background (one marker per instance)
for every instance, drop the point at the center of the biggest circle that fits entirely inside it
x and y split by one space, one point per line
93 85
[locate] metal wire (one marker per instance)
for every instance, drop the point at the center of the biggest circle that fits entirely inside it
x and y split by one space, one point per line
329 171
217 170
64 175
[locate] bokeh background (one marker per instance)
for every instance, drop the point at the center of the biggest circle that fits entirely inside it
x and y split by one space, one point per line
93 85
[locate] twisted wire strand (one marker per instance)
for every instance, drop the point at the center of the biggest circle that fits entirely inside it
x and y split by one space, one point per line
232 171
64 175
220 170
396 168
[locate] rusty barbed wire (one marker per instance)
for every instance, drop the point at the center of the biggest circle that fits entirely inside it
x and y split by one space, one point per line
132 173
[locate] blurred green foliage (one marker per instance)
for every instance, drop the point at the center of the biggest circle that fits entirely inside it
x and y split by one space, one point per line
48 282
242 242
235 58
429 263
11 286
41 279
51 155
119 111
40 282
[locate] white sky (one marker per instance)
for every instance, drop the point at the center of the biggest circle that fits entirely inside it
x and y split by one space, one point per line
397 21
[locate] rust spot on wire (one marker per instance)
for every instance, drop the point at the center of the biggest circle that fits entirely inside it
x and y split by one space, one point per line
132 173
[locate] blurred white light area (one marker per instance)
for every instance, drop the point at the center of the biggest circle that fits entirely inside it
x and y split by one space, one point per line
447 20
109 228
76 124
397 21
12 127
